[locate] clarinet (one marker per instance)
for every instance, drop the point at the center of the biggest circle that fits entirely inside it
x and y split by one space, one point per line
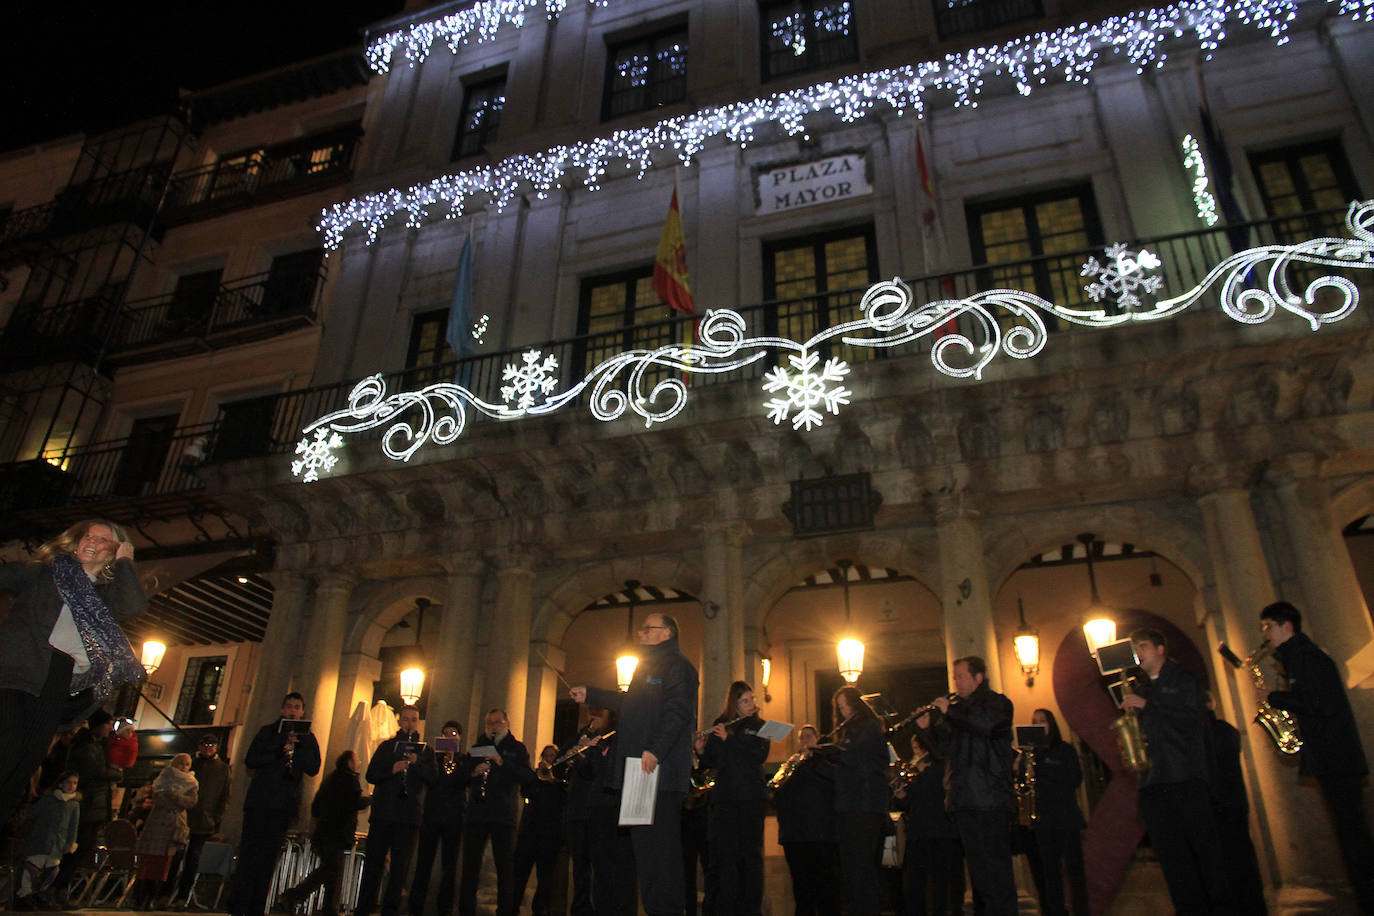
405 783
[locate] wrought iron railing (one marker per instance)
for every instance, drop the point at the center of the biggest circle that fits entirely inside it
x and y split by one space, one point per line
128 468
965 17
71 330
268 174
273 424
131 195
240 307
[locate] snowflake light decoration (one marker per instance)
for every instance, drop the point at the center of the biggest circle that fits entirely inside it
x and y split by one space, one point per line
316 454
530 380
1123 278
806 390
965 335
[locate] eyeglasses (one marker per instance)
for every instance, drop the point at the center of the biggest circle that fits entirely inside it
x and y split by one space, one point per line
651 626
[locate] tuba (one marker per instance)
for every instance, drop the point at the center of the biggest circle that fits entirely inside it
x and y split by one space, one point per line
1130 737
1278 723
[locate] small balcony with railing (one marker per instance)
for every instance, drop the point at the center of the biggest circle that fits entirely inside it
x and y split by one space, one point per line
130 196
259 176
235 312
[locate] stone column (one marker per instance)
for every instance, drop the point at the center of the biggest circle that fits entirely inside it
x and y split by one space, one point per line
964 593
270 682
1297 845
1333 606
329 627
544 690
453 692
722 600
509 645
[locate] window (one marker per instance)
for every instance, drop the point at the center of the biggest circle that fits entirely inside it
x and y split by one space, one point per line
290 284
141 465
482 104
1022 237
817 282
428 347
964 17
200 686
1301 179
622 312
803 35
193 300
645 73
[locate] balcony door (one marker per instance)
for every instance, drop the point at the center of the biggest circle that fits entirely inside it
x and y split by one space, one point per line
816 282
150 438
291 280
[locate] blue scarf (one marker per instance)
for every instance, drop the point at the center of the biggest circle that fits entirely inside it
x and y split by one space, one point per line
112 660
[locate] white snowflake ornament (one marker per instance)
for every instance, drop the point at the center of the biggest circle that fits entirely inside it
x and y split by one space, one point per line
529 381
1123 278
316 454
806 390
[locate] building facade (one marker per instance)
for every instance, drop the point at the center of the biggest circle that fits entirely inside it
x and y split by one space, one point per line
930 478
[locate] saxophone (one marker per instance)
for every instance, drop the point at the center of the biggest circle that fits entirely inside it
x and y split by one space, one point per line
1278 723
1130 737
1026 813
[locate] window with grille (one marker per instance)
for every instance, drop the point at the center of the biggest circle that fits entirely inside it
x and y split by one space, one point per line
481 116
816 282
645 73
200 687
428 348
1037 243
799 36
623 312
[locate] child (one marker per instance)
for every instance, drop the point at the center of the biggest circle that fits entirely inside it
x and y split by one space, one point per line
55 820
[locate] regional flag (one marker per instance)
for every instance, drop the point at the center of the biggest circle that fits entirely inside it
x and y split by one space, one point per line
670 264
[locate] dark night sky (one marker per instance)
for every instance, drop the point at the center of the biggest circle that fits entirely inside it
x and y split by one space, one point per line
89 65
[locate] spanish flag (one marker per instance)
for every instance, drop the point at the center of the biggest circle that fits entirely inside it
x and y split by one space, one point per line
670 264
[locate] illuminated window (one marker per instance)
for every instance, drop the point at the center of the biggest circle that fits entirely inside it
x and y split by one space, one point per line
803 35
428 348
1037 243
482 105
646 73
816 282
621 312
1303 179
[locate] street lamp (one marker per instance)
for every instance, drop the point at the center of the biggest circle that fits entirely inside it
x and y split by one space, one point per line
412 685
1099 628
1026 644
625 665
153 651
850 651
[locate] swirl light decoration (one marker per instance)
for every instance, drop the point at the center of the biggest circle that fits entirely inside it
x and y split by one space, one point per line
631 381
1144 37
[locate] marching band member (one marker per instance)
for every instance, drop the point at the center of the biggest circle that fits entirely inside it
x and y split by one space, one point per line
541 833
1059 823
738 803
933 867
806 827
861 796
442 828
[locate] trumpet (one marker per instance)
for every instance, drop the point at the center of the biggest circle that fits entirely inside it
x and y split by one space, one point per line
905 773
1278 723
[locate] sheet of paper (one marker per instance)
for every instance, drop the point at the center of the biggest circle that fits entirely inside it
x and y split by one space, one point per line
775 731
483 750
638 794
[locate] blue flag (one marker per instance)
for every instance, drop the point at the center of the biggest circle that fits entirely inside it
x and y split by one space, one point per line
460 312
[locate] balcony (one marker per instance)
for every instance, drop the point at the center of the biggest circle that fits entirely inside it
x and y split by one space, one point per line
130 196
272 425
70 331
240 311
262 176
967 17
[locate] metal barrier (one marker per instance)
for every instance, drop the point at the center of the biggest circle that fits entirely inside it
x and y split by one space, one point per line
297 860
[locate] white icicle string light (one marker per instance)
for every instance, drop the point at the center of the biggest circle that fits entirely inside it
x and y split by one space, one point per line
1203 200
1068 53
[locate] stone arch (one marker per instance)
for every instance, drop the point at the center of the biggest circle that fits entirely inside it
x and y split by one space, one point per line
1350 502
564 600
1176 541
388 604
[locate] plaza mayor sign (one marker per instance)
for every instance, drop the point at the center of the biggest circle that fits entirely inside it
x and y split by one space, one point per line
791 186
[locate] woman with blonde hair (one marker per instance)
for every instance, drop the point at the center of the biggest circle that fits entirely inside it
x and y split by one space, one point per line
175 791
61 649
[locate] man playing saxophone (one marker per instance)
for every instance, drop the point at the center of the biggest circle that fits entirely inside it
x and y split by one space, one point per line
1173 794
1331 749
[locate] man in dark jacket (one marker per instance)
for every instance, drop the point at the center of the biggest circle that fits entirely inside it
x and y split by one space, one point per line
1332 753
1231 809
1174 799
441 832
657 721
806 828
493 810
97 780
979 794
280 757
202 821
399 776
